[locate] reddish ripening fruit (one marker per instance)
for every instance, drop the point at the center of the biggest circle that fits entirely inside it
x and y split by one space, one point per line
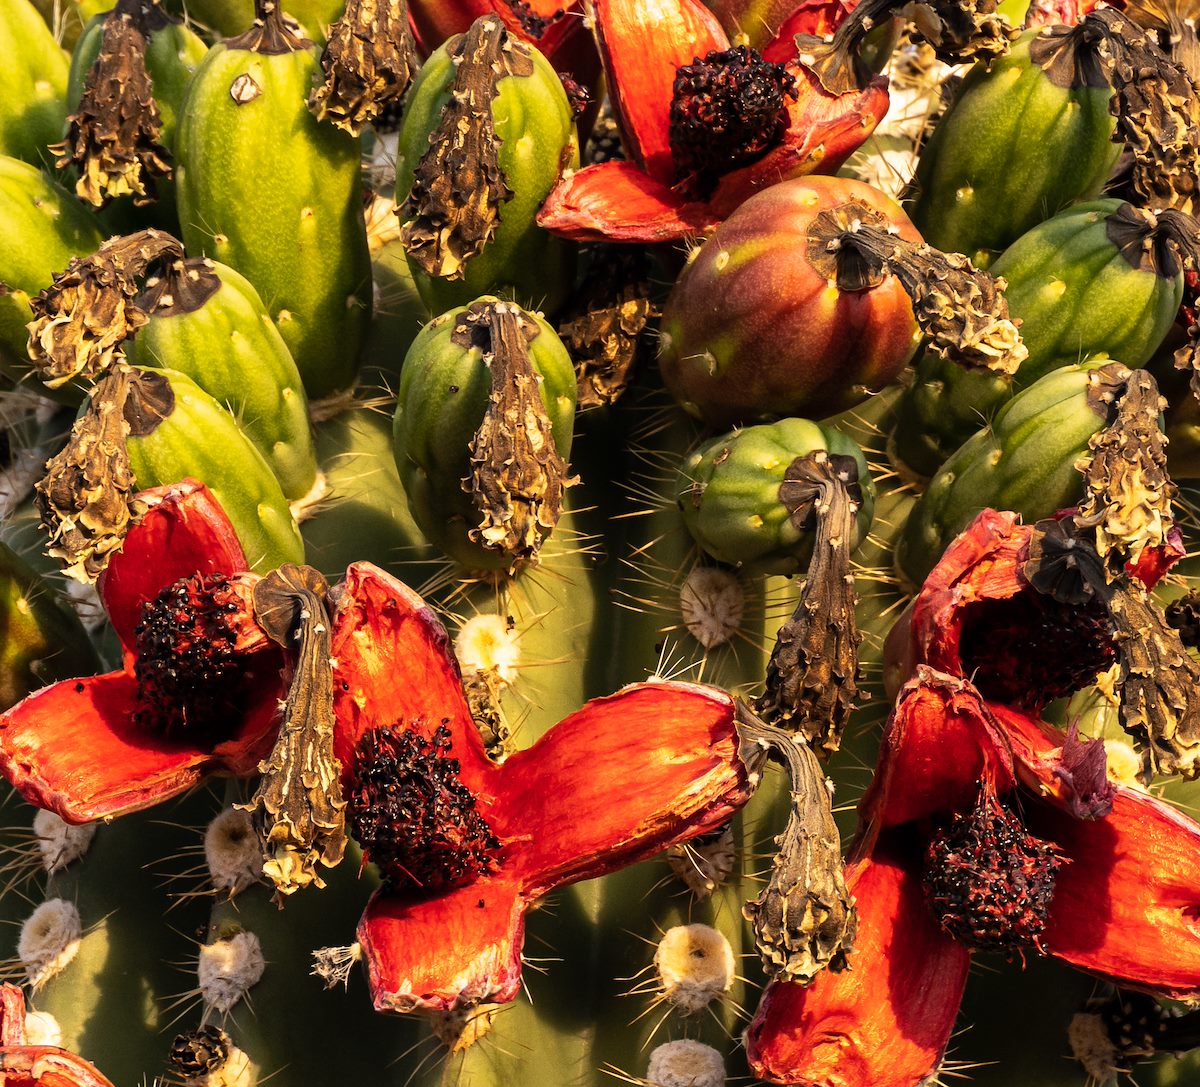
756 328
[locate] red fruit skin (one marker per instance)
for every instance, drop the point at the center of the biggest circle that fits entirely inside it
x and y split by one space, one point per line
753 332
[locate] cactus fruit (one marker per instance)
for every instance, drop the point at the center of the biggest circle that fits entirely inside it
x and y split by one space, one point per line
33 84
487 132
731 493
292 224
754 329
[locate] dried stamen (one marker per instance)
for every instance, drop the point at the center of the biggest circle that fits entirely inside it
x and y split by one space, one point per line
188 669
517 474
413 816
86 500
961 310
804 919
298 807
458 186
726 111
988 881
113 136
812 677
368 64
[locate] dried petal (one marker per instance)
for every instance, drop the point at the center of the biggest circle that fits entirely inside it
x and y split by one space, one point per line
83 318
86 500
804 919
961 309
453 207
113 136
812 677
368 64
1127 490
517 475
298 806
1083 770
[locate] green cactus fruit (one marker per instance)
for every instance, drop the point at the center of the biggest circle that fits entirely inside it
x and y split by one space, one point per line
456 397
729 493
43 638
173 53
504 95
196 437
1023 461
208 322
33 84
754 329
1024 137
1096 281
44 228
227 18
267 189
364 515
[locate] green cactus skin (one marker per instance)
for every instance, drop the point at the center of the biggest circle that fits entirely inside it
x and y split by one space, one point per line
229 17
754 330
33 84
728 492
200 439
1023 461
537 138
230 348
43 638
1014 148
173 53
399 314
364 515
1077 298
44 228
264 187
441 403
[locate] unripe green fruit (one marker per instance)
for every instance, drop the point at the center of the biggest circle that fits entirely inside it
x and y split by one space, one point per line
44 228
1020 142
1024 461
443 397
729 494
267 189
753 330
227 344
33 84
199 439
1078 297
536 138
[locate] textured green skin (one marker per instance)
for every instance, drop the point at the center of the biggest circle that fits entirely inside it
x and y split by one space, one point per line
33 84
399 314
1024 462
1012 140
267 189
752 331
738 518
537 141
44 228
230 348
172 56
1077 299
364 515
441 403
200 439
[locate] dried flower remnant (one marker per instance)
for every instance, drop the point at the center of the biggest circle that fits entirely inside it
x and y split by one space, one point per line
1112 1033
517 474
1158 681
83 318
804 919
961 310
812 676
87 500
1127 490
1157 110
207 1057
368 63
1083 770
113 136
30 1053
458 186
298 807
